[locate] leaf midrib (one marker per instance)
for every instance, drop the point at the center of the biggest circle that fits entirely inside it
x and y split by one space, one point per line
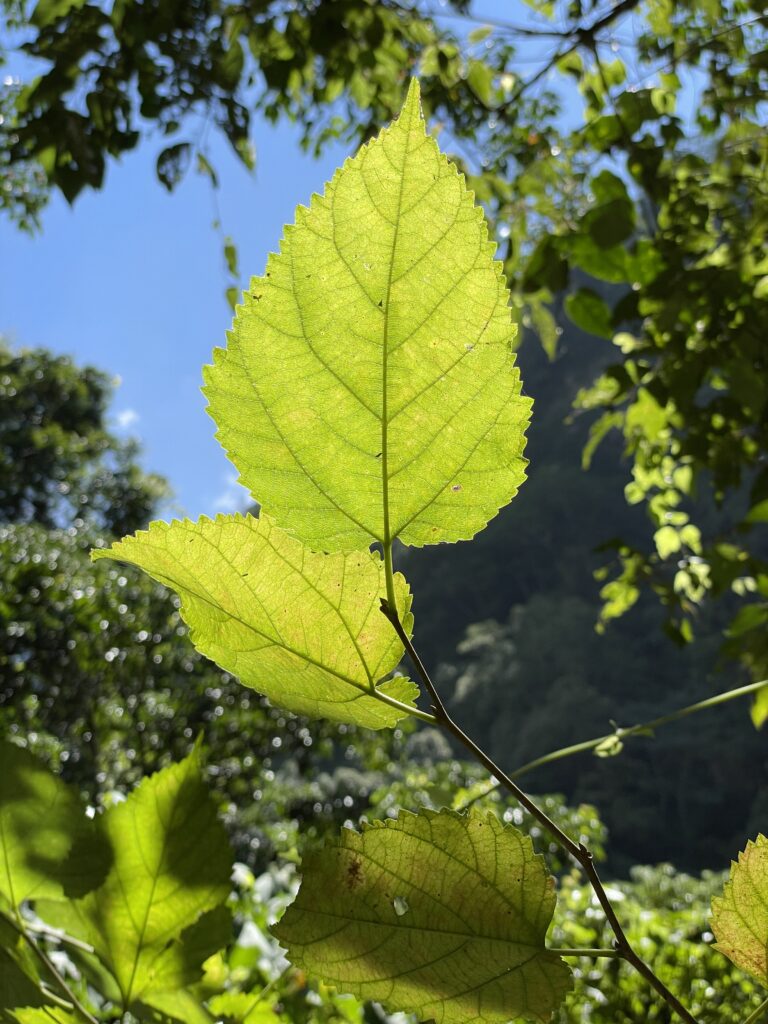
141 934
429 929
387 539
6 862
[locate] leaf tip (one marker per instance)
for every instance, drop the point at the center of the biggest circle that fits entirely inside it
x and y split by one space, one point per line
412 105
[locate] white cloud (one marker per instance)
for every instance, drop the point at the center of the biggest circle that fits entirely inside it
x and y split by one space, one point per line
126 418
234 497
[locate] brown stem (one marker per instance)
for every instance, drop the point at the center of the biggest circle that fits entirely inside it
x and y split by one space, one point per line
578 851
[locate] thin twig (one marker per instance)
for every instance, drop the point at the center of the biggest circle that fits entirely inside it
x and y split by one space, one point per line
578 851
757 1014
266 990
578 36
50 966
622 734
59 936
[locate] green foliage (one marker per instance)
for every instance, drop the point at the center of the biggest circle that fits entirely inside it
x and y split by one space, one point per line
138 890
564 683
661 196
302 628
740 915
666 914
152 921
405 488
400 440
419 435
373 919
305 629
421 907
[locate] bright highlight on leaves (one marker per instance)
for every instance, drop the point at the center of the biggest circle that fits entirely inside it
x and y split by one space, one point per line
368 390
302 628
740 915
157 915
437 914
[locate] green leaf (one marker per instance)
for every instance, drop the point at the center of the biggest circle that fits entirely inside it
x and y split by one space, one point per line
480 81
611 223
41 822
230 256
545 326
597 433
589 312
608 186
436 914
48 11
172 864
758 513
748 617
368 390
477 35
48 1015
612 264
740 915
243 1007
759 710
172 164
304 629
204 166
668 541
19 981
179 1005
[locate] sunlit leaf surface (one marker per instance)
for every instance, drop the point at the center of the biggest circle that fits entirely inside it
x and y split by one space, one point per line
368 390
305 629
437 914
740 915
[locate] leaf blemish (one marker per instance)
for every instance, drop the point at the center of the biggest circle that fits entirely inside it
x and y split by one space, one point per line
354 875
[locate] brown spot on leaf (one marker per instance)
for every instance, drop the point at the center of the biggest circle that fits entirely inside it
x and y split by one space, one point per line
354 875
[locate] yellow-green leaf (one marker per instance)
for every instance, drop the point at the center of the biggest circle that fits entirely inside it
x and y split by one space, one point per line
436 914
45 1015
304 629
740 915
368 390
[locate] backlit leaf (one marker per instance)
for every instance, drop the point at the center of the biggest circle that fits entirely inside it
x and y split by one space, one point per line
740 915
172 864
304 629
46 1015
437 914
368 390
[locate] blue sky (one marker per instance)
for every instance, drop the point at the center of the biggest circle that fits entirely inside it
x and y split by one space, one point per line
131 279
